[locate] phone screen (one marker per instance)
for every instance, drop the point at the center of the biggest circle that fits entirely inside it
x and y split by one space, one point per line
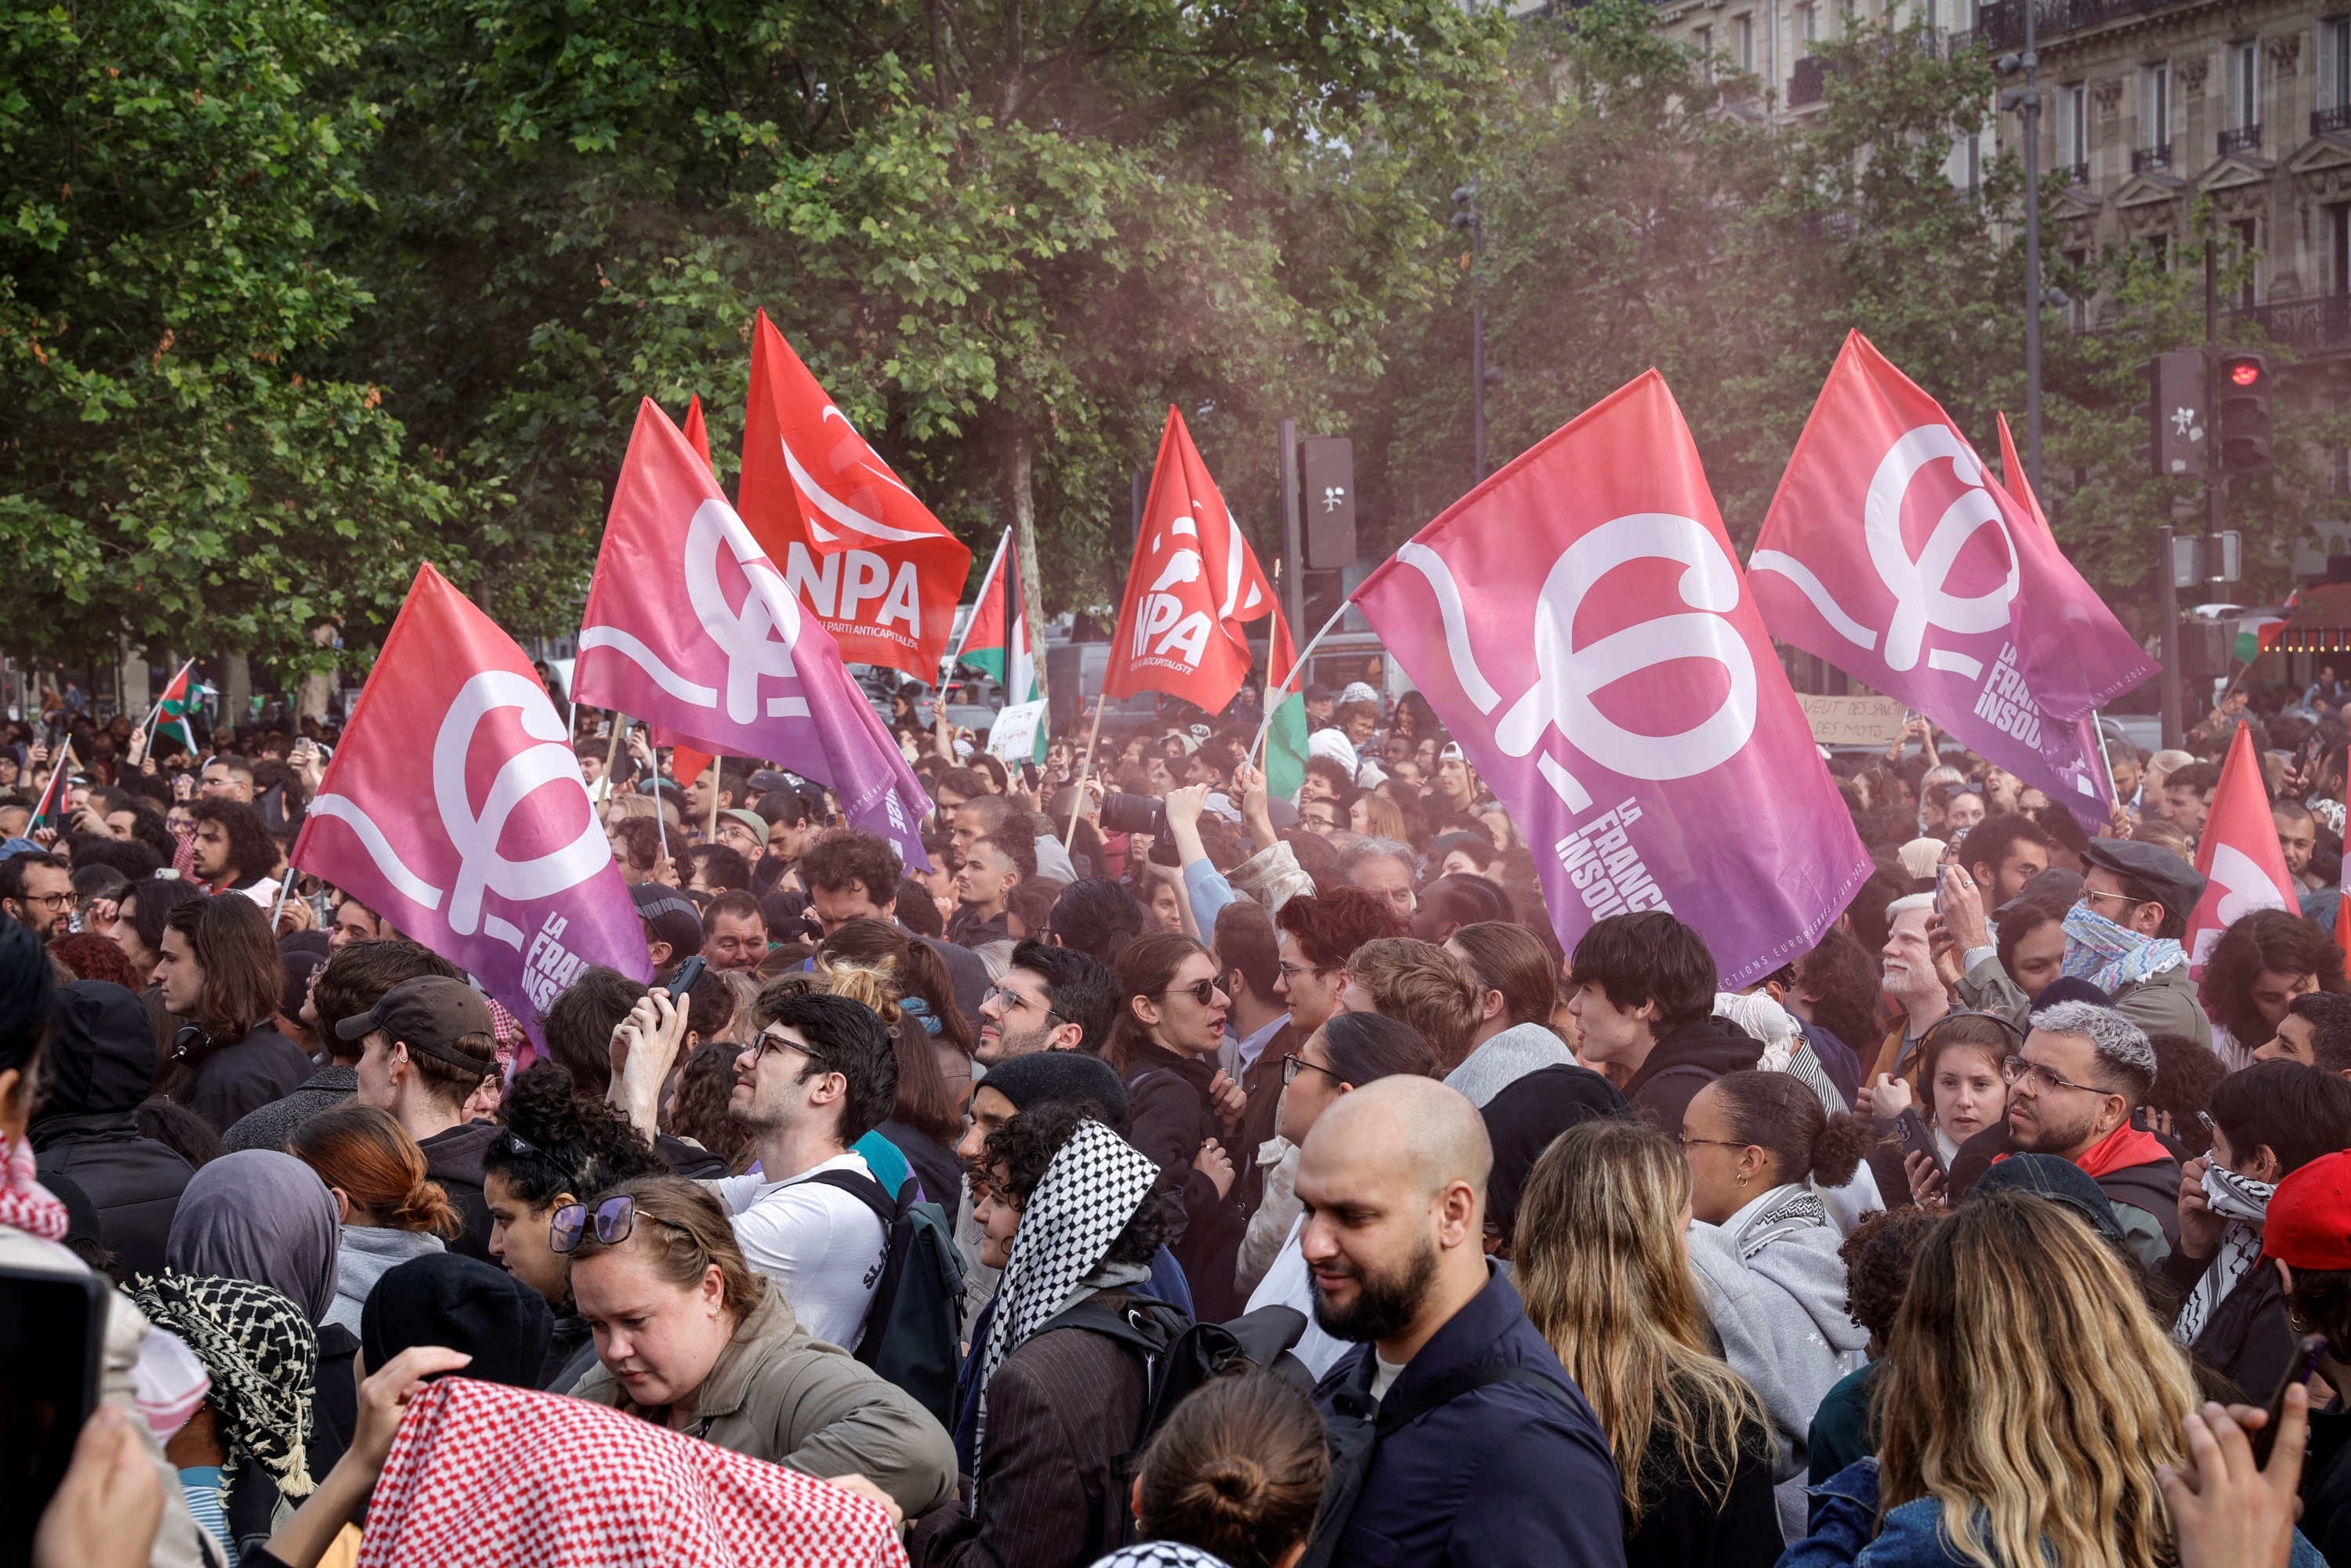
50 1328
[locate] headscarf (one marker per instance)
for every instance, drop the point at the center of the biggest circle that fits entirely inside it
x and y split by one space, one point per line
2109 956
24 1203
262 1355
2244 1203
1094 1187
444 1298
264 1215
1523 1118
627 1493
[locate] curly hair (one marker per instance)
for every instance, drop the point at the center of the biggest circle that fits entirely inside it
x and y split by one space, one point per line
251 851
555 1142
1021 1150
706 1085
835 859
1877 1254
2271 941
1331 926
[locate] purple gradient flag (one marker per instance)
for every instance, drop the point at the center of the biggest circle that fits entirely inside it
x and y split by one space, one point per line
1581 625
1891 552
690 625
455 810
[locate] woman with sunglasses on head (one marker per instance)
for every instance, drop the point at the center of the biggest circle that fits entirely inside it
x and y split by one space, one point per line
1182 1109
557 1151
1348 1051
689 1338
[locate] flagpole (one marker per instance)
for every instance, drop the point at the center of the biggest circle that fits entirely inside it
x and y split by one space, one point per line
986 577
1085 765
612 755
710 834
1265 725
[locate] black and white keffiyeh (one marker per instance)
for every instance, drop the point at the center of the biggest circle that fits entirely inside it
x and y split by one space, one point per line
1159 1555
2244 1203
262 1355
1792 1208
1094 1187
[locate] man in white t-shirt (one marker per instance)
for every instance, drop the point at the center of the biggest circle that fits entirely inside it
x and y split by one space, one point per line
819 1076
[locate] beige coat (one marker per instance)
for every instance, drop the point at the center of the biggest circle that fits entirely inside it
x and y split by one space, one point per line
177 1538
780 1394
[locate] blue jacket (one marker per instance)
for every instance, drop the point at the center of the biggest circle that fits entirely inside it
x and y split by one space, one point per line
1503 1475
1847 1532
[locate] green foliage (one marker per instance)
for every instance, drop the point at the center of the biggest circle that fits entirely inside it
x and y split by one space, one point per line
169 472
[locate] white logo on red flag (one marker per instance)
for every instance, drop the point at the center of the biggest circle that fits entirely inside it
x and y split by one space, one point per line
2238 853
1193 589
1582 627
857 547
504 844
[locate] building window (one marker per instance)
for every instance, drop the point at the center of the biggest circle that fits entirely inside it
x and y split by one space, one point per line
2074 101
1742 39
2338 248
1704 39
2154 110
2248 234
2159 249
2244 85
1808 30
2338 54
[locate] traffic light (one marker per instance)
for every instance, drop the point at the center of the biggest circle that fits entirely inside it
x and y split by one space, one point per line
2175 412
2245 413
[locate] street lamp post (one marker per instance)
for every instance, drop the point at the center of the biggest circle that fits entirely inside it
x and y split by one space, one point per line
2028 98
1465 216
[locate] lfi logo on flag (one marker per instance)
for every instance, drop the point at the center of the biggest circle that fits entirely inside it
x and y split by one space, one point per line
1192 589
1582 627
858 549
2243 865
499 864
744 672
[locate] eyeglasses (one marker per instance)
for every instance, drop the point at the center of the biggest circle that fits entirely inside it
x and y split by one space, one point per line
50 900
1010 1001
615 1218
1292 1062
2016 1069
1199 991
1687 1141
770 1041
2089 894
1292 971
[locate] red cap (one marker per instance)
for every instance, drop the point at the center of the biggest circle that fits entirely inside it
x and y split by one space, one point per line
2308 1225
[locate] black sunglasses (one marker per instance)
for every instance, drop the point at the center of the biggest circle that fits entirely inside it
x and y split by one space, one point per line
615 1218
1199 990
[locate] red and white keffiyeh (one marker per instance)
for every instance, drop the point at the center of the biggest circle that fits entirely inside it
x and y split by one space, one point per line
483 1475
24 1203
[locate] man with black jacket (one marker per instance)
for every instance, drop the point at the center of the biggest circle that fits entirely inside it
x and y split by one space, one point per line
1643 989
1461 1438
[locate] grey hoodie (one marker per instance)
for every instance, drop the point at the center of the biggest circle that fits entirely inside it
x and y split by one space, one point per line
1779 1312
368 1253
1521 1048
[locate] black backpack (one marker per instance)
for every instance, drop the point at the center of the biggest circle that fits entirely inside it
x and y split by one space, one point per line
914 1325
1180 1355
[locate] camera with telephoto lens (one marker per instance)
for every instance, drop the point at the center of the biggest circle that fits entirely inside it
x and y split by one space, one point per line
1123 813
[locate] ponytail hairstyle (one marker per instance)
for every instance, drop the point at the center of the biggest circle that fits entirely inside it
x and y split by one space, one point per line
371 1159
1237 1471
1779 1115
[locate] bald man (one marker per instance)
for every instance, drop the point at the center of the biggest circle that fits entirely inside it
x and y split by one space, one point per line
1486 1451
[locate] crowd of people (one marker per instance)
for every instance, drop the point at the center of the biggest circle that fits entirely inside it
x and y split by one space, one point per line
1176 1174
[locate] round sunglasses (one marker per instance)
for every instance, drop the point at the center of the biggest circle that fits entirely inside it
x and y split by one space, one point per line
614 1218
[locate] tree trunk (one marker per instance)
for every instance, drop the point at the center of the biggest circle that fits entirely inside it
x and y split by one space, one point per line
236 691
131 683
1017 477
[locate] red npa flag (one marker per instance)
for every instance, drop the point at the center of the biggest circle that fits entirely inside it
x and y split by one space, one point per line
868 560
1194 586
2244 867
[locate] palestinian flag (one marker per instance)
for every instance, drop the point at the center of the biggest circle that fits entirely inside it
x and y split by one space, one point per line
57 792
1285 737
996 636
178 701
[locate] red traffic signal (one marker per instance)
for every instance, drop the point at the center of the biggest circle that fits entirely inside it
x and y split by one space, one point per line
2245 415
2245 373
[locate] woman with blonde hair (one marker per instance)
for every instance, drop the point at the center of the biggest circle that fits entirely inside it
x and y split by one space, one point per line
2027 1403
1601 1260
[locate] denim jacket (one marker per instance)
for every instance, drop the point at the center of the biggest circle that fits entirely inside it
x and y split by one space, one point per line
1847 1531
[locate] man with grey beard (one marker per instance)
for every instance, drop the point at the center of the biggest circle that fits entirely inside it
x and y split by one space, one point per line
1909 962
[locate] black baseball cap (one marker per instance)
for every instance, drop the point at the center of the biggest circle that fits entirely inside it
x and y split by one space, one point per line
430 1013
669 915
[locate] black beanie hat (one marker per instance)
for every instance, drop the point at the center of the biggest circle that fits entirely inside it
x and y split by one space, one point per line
1046 1077
447 1299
